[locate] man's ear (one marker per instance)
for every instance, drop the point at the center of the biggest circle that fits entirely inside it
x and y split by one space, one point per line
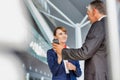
95 11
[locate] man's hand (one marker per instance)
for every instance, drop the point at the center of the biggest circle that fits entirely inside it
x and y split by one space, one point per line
58 48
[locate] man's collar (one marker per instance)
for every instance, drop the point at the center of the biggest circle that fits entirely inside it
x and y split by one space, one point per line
101 17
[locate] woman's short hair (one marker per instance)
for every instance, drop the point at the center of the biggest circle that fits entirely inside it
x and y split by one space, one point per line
61 28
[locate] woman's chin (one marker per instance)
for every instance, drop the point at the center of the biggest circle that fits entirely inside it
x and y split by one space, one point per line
63 41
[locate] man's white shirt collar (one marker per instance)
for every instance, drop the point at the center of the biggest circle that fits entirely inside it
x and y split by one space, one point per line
101 17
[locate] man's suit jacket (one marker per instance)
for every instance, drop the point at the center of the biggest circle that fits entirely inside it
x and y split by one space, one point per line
93 51
58 70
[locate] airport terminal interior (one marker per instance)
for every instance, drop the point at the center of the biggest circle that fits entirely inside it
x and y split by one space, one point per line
39 18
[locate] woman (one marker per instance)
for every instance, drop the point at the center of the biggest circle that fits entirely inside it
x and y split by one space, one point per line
55 62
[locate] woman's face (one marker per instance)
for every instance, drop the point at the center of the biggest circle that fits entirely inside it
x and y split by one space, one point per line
61 36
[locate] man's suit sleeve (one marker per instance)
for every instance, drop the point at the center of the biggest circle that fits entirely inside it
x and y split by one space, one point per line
92 43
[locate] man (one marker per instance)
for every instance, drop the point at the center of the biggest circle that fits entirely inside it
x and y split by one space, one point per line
93 51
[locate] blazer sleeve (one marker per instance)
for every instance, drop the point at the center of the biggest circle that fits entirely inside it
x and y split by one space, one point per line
52 62
92 43
78 71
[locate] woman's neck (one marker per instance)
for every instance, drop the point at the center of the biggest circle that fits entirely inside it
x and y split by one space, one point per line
62 44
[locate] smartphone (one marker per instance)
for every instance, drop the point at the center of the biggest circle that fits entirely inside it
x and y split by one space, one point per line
56 41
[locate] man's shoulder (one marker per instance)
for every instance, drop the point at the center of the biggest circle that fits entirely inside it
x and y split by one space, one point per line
98 26
97 23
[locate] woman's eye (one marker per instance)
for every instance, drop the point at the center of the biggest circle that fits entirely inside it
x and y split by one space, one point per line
60 33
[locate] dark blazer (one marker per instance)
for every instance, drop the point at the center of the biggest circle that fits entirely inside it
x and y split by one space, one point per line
93 51
58 70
